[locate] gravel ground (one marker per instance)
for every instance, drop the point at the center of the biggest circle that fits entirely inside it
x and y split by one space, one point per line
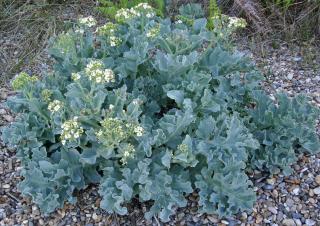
288 201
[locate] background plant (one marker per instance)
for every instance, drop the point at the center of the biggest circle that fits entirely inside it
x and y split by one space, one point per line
165 110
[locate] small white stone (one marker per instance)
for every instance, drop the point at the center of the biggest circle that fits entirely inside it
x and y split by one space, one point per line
6 186
310 222
273 210
290 76
296 191
94 216
225 222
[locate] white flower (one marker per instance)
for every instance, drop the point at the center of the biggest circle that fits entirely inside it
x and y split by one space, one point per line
71 130
111 106
79 30
179 22
75 76
138 131
55 106
142 9
136 101
109 75
129 152
144 6
153 32
95 72
114 41
98 79
99 133
236 22
88 21
126 154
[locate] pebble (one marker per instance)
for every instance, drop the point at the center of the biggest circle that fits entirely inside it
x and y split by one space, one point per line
290 76
6 186
310 222
3 112
298 222
213 218
273 210
271 181
288 222
317 179
317 190
296 191
8 118
225 222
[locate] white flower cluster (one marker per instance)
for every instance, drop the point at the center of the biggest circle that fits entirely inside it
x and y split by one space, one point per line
109 30
55 106
235 22
96 73
153 32
71 130
113 130
114 41
229 22
139 131
137 101
128 152
142 9
111 107
183 148
143 6
87 21
75 76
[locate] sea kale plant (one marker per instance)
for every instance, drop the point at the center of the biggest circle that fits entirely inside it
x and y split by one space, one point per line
152 110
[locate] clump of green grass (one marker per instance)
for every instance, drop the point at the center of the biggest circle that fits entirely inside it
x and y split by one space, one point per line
27 26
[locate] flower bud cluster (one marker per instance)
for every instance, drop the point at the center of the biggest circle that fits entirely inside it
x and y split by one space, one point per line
114 41
183 148
87 21
55 106
46 95
115 130
71 130
96 73
109 30
75 76
153 32
112 130
22 80
138 130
